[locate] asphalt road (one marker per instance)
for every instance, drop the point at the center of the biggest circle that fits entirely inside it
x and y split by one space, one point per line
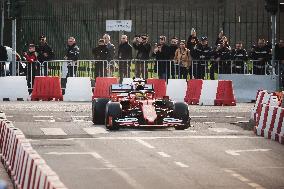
216 152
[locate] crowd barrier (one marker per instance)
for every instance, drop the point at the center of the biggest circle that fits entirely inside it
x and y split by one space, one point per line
14 88
268 116
78 89
210 92
24 165
200 69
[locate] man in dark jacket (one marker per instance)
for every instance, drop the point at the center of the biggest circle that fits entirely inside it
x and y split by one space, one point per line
162 55
3 58
140 43
192 41
203 55
45 53
101 53
260 55
239 56
72 54
125 54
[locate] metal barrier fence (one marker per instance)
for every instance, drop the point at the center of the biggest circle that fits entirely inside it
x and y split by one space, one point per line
165 69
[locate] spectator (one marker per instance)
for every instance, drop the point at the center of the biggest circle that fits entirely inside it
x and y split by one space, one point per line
222 54
33 67
45 53
101 53
260 54
172 51
183 58
124 53
162 55
72 54
140 43
192 40
3 58
219 38
110 46
203 54
239 56
279 56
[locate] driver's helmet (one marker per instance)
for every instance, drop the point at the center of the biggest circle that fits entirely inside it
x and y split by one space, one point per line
139 84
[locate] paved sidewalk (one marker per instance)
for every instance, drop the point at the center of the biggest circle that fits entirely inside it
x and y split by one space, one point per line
4 176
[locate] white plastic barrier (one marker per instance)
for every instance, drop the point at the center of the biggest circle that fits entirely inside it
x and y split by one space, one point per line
14 88
78 89
208 92
176 89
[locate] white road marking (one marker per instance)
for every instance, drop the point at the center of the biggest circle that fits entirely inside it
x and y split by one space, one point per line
95 130
53 131
237 152
106 163
144 143
139 132
230 116
223 130
198 116
155 138
9 116
209 122
181 164
42 116
80 116
240 117
243 179
43 120
163 154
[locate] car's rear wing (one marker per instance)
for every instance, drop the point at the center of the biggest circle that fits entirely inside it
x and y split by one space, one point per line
126 88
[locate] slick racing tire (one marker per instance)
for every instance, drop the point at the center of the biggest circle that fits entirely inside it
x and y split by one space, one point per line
113 112
180 111
98 110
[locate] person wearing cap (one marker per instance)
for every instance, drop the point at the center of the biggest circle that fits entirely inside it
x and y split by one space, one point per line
183 59
239 56
45 53
203 55
102 54
192 41
72 54
33 68
143 48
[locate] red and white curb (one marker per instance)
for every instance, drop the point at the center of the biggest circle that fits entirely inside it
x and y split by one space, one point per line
24 165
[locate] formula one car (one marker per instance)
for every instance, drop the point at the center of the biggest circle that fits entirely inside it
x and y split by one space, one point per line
134 105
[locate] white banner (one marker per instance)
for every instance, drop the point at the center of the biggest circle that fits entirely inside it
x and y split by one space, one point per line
119 25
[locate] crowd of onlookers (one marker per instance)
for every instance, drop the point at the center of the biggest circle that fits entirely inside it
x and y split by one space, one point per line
180 58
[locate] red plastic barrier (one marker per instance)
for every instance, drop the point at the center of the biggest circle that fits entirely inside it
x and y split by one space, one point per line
225 94
160 87
47 88
103 85
193 92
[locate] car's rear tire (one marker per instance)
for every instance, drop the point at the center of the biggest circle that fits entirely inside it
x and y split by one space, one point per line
180 111
113 112
98 110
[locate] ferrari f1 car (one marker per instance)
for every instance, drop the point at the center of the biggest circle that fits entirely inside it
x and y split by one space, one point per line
135 105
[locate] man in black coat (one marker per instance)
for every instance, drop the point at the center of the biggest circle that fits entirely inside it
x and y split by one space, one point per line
3 58
260 55
172 50
72 54
203 54
125 56
102 54
239 56
45 53
162 55
140 43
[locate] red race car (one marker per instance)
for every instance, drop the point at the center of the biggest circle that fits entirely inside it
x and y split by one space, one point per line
134 105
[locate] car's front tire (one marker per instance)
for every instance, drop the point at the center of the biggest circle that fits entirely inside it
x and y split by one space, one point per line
181 111
98 110
113 112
